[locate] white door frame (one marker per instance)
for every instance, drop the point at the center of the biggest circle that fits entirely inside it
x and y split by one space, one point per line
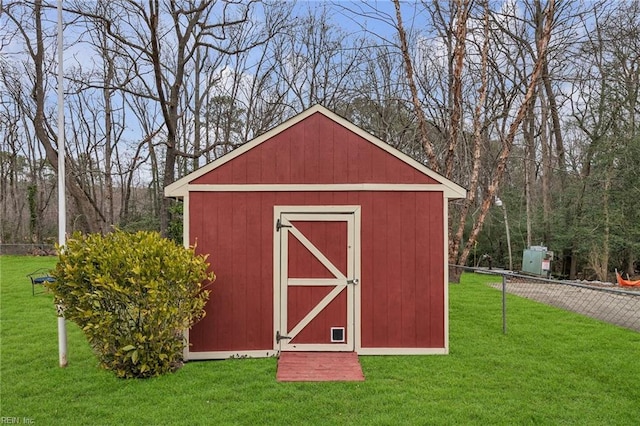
349 214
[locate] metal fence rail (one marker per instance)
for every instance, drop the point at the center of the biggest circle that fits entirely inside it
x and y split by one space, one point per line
608 303
28 249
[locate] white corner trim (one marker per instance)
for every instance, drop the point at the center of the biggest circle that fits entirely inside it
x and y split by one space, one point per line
177 191
185 350
445 269
185 222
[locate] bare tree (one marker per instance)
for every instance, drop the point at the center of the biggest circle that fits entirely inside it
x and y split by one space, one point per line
479 137
506 134
162 40
422 122
604 105
27 21
498 173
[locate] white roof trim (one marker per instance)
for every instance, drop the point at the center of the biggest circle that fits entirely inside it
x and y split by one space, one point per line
180 187
319 187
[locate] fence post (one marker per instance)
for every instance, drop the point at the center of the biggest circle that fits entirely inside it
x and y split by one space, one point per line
504 304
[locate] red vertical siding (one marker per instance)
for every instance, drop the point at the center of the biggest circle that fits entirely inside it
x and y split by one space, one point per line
407 269
340 151
240 300
316 150
402 295
404 304
430 255
309 153
376 307
254 253
396 279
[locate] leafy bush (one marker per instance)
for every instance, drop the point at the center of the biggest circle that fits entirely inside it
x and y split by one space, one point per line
132 295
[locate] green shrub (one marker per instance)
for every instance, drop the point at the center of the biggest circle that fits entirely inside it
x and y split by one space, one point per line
132 295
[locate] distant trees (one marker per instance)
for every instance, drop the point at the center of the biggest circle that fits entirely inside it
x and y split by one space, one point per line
602 216
534 101
166 48
137 75
32 75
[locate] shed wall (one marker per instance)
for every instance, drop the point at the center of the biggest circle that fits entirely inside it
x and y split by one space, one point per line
402 266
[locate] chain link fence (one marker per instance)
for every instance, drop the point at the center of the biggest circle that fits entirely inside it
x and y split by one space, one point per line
603 301
28 249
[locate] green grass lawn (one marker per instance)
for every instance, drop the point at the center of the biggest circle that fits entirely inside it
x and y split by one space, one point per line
553 367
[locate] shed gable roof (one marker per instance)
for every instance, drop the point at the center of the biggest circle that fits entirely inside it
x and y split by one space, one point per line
314 147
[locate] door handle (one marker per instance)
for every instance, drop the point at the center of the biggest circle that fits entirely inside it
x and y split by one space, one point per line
353 281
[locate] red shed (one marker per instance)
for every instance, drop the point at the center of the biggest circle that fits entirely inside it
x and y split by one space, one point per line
323 238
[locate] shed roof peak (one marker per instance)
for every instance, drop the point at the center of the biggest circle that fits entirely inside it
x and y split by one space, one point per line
180 187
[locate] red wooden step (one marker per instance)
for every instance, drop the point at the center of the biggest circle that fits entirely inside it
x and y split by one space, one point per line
319 367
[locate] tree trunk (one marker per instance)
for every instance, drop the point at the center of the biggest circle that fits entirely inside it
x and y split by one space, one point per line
107 94
547 170
498 172
408 64
479 137
547 167
529 169
86 209
459 54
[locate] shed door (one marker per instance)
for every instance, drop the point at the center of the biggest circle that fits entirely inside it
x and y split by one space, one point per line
317 279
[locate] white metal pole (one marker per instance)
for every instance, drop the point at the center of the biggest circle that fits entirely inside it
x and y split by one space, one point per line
500 203
506 227
62 205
